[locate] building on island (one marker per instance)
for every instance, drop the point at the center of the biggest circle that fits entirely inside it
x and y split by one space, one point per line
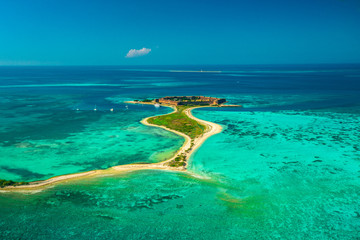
190 100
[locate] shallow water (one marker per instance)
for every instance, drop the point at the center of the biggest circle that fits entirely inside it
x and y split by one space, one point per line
42 144
286 166
304 166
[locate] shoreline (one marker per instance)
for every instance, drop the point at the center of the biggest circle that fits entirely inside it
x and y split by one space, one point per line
211 129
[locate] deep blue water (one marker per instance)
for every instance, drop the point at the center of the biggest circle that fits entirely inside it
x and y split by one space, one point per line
141 81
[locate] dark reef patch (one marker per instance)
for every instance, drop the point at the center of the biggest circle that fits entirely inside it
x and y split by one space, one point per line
25 173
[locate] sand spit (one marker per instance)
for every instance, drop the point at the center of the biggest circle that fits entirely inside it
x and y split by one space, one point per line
211 129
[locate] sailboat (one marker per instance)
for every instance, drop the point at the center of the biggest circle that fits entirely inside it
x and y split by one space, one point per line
95 108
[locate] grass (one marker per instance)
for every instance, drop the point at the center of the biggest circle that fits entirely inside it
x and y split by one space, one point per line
180 122
179 161
5 183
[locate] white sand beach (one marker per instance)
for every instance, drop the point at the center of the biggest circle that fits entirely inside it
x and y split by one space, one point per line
211 129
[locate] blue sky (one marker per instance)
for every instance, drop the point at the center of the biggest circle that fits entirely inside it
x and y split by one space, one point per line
88 32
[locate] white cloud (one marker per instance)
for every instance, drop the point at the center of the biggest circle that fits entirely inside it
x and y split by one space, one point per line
137 53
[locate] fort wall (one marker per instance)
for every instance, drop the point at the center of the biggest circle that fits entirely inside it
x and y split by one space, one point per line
190 100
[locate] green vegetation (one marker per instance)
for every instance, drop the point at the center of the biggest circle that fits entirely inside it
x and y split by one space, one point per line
146 100
179 161
180 122
5 183
191 147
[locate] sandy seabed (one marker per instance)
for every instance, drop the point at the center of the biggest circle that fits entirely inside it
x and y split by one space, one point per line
211 129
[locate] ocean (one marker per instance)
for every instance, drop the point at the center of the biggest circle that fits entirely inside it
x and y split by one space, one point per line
285 166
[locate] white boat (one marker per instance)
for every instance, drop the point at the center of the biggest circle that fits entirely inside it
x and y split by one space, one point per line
157 105
111 109
95 109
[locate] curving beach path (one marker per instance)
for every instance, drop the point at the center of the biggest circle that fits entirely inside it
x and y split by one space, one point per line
211 129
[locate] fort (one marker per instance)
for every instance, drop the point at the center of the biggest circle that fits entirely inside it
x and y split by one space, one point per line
190 100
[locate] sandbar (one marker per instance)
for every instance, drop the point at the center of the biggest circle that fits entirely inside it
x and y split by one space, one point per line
211 129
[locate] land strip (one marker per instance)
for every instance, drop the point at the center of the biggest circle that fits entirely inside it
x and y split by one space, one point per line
178 162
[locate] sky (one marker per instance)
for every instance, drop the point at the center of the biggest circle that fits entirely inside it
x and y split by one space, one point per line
165 32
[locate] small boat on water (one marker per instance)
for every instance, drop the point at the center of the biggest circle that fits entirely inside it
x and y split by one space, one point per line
111 109
157 105
95 109
126 107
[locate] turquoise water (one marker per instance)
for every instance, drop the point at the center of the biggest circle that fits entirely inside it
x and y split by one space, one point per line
302 168
287 166
45 143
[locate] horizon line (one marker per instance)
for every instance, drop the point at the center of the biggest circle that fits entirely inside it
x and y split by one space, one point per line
137 65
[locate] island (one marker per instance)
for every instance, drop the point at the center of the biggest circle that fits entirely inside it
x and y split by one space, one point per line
182 122
195 131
